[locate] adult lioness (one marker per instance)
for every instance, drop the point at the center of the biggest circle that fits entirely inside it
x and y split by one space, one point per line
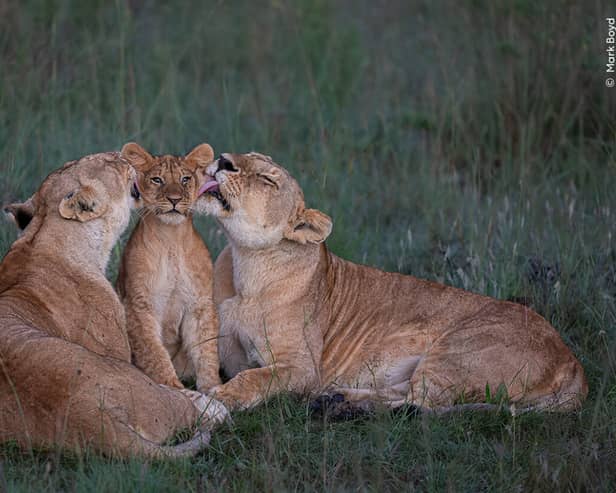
65 372
165 279
296 317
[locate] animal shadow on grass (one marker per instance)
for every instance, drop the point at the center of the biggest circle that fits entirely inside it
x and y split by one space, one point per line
336 408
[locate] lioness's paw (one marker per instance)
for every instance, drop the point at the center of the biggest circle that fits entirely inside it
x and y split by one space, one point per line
216 411
336 408
232 401
173 382
212 411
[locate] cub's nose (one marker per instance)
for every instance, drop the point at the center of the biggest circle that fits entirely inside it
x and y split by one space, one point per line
174 199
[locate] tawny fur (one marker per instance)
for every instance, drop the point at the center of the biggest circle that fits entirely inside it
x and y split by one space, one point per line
65 373
165 278
294 317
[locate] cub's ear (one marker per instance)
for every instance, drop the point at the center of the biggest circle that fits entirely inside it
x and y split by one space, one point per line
83 205
20 212
311 226
200 156
137 156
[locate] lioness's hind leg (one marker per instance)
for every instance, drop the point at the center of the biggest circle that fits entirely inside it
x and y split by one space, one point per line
431 389
81 398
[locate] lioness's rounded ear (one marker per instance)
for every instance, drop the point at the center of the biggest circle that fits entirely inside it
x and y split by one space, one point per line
21 213
311 226
82 205
137 156
200 156
270 177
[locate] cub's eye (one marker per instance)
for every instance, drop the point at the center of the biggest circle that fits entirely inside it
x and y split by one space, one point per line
185 179
157 180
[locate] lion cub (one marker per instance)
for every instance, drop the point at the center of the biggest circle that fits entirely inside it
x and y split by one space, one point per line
165 278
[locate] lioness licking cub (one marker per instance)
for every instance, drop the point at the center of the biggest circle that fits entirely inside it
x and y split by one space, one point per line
295 317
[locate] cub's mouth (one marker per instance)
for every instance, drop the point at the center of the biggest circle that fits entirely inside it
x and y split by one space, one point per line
211 187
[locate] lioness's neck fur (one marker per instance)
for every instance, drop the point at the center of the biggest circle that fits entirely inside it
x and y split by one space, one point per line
83 244
264 272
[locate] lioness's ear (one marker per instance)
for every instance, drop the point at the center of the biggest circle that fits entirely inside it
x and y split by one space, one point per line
200 156
21 213
137 156
311 226
270 177
82 205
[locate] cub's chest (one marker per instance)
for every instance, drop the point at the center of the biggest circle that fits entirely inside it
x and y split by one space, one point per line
171 286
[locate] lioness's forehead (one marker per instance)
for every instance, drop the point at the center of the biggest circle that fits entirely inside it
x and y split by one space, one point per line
98 166
255 161
89 162
90 165
255 156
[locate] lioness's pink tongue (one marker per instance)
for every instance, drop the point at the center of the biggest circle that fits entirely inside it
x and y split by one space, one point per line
211 184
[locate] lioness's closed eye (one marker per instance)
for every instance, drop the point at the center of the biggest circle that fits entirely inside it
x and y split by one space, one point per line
293 316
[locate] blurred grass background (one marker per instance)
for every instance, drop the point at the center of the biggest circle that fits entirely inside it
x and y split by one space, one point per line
468 142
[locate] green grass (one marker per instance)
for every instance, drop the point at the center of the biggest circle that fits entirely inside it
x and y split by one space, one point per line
466 142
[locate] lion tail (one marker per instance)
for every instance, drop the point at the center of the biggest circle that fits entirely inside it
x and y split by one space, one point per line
190 448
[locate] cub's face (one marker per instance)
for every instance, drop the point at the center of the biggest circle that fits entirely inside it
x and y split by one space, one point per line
168 185
168 188
258 203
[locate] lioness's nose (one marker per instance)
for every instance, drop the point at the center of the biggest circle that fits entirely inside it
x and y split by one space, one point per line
225 164
174 199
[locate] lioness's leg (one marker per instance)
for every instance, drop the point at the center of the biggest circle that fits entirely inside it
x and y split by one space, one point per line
439 384
251 387
232 356
54 392
481 362
223 277
149 353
